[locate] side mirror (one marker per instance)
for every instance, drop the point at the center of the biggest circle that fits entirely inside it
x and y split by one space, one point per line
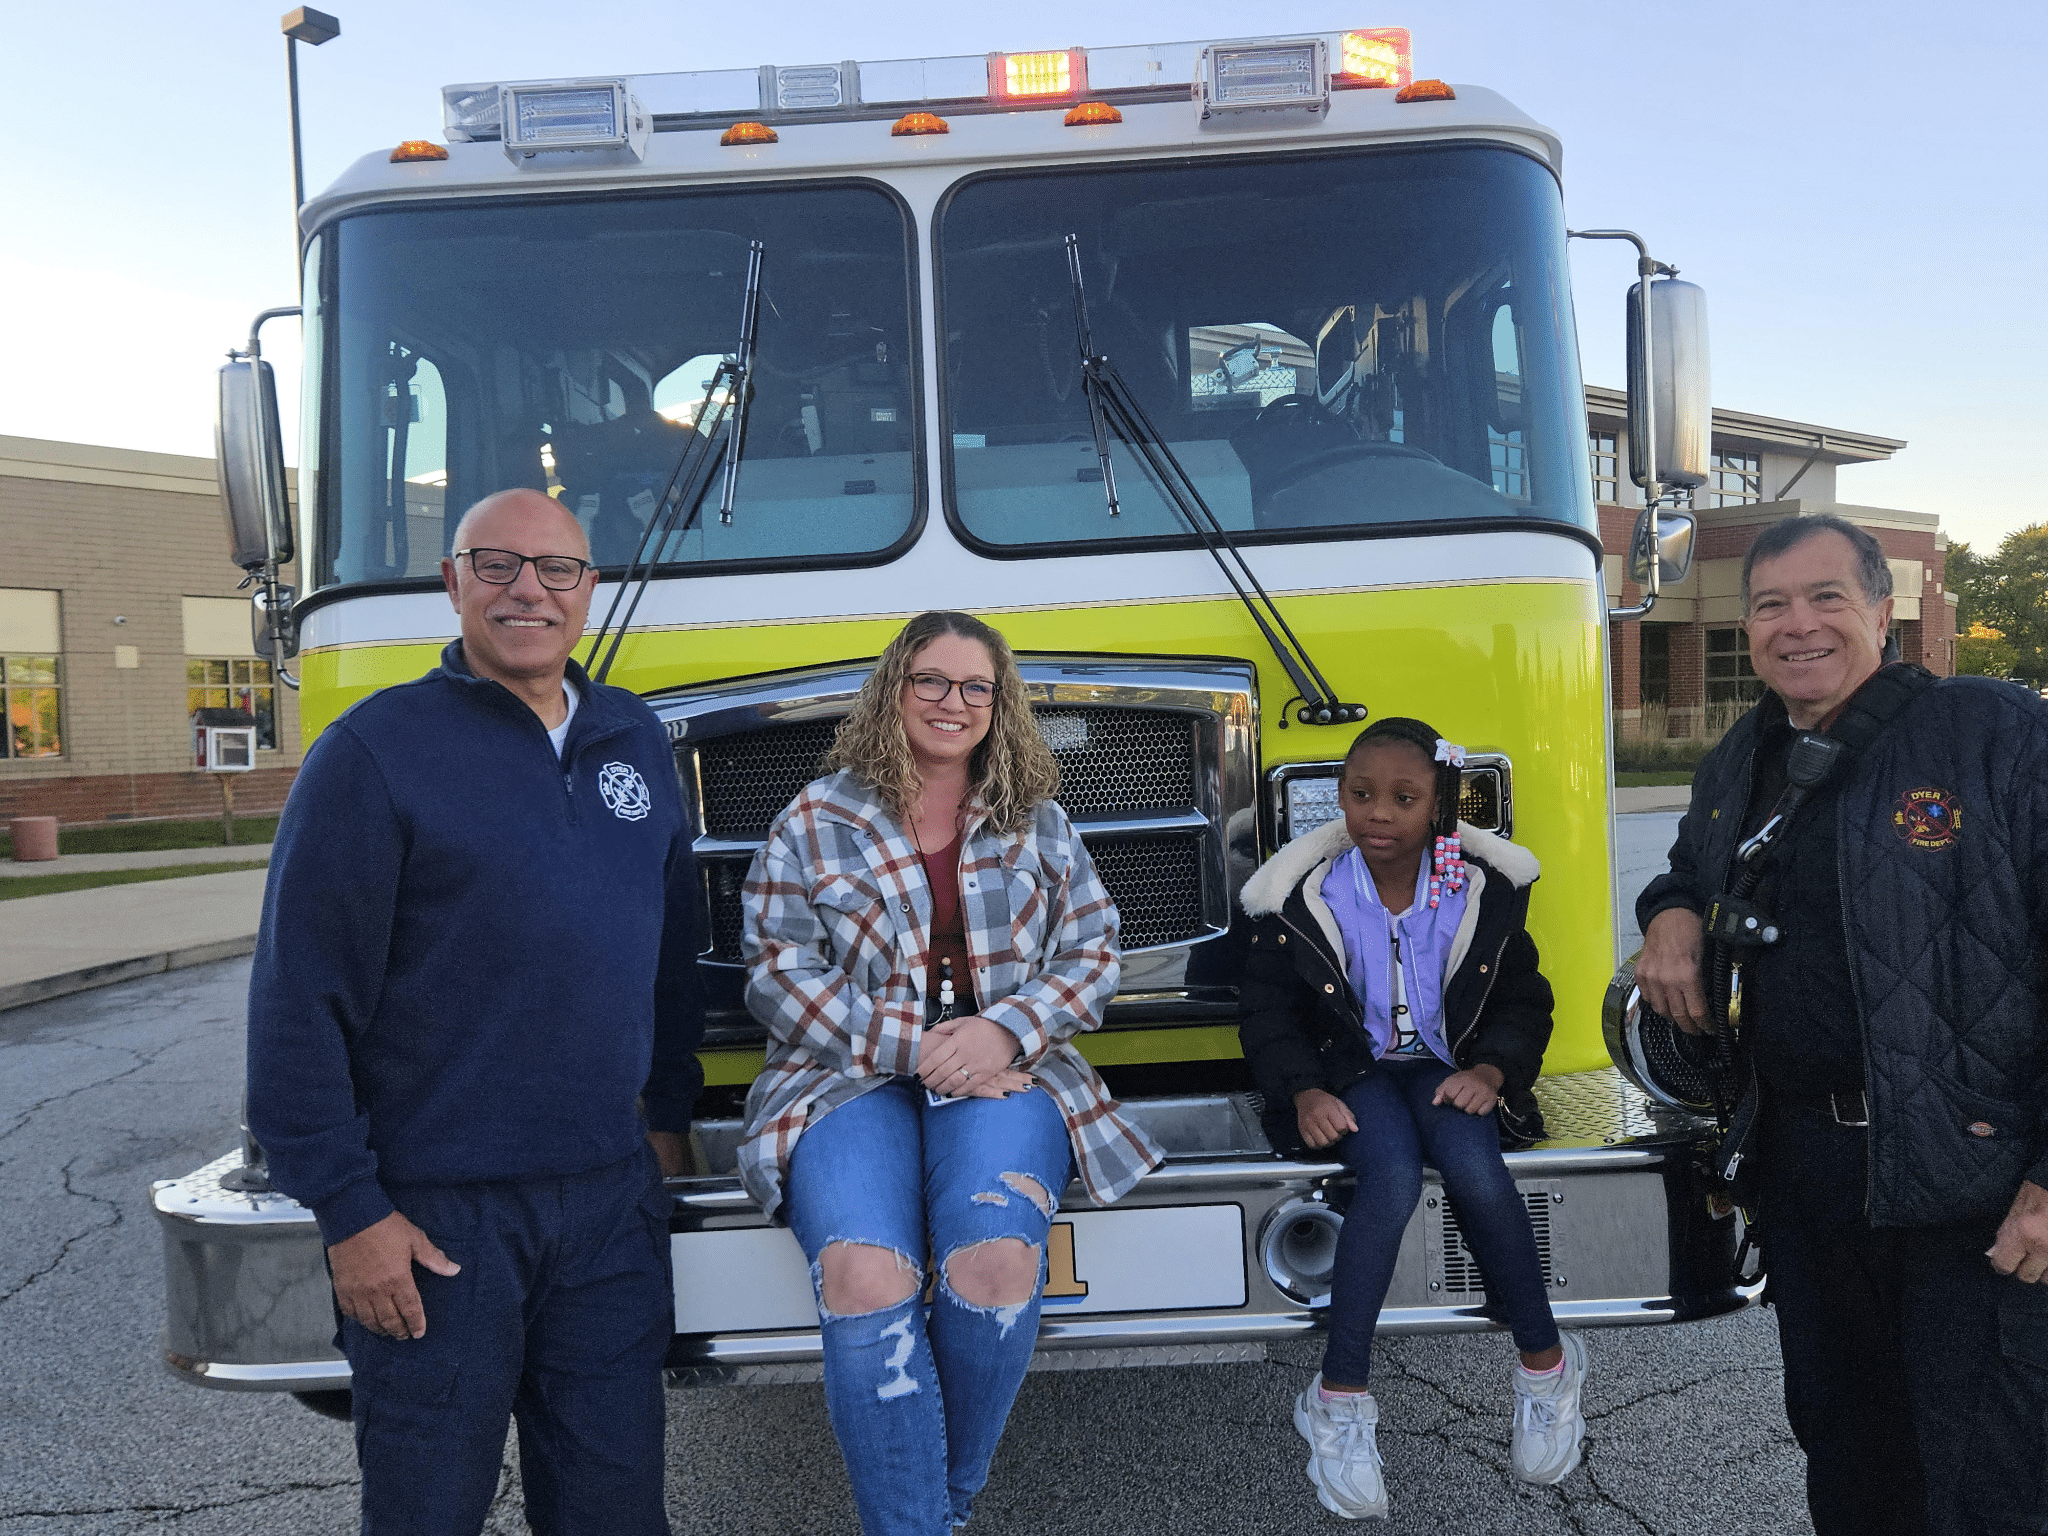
1671 547
248 450
1674 389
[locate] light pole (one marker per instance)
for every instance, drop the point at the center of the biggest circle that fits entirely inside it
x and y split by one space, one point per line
305 25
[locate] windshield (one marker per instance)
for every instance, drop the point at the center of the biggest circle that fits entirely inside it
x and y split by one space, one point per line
1325 342
567 346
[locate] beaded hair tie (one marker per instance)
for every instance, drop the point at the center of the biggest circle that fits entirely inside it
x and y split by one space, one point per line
1447 863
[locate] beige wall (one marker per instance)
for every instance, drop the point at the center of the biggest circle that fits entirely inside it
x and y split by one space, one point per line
119 534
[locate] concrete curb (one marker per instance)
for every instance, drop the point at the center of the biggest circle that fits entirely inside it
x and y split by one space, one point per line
38 989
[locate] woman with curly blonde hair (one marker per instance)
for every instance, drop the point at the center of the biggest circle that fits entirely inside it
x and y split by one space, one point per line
924 936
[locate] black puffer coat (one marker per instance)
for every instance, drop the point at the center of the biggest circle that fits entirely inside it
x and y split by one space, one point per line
1942 830
1303 1027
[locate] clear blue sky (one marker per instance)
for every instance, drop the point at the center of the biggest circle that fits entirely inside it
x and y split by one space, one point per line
1856 184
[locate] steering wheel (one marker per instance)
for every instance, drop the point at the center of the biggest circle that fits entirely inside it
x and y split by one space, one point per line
1289 410
1332 458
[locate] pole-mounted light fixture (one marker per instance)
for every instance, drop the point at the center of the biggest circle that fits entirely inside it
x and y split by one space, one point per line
305 25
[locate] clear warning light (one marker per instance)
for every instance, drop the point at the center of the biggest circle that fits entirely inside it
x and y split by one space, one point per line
1058 73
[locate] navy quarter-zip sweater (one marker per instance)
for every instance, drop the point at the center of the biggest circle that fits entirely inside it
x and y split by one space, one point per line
474 957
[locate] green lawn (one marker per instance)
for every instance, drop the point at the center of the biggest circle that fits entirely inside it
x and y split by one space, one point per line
86 880
149 836
1639 780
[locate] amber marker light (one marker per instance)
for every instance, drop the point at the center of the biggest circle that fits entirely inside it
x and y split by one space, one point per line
749 133
1378 57
417 149
1427 90
911 124
1092 114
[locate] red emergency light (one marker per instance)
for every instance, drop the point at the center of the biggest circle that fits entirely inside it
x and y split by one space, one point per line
1375 58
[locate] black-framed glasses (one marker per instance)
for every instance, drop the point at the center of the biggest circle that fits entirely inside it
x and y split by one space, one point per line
933 689
500 567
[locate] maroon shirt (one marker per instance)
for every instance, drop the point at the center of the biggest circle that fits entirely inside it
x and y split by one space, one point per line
949 928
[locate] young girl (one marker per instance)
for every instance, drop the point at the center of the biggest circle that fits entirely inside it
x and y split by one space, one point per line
1392 1010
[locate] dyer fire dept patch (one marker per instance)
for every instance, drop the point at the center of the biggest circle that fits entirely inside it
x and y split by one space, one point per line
1927 818
624 791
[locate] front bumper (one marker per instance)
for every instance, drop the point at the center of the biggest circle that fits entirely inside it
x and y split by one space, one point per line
1213 1255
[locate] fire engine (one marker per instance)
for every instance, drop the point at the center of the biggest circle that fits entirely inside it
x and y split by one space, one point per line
1236 382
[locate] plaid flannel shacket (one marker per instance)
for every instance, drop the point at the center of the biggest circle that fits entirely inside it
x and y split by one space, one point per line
837 927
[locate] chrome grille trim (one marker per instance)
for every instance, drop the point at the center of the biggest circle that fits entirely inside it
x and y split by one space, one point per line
1130 786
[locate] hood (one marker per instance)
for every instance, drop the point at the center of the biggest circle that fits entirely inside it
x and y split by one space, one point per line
1266 892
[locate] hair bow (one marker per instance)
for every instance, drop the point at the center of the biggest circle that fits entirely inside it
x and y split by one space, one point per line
1450 752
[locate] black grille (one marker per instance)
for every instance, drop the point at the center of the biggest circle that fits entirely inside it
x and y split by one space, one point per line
1156 883
1114 761
722 881
749 778
1461 1265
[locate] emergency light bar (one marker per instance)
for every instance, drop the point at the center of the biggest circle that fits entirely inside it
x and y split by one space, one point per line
1250 74
1237 77
570 114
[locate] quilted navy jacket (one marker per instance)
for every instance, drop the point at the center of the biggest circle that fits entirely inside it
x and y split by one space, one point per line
1942 827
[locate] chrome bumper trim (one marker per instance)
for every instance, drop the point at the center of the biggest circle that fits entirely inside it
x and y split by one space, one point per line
284 1376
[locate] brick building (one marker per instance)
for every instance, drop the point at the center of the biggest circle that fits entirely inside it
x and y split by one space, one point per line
118 617
1684 671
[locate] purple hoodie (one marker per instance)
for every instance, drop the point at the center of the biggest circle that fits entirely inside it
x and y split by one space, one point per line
1427 934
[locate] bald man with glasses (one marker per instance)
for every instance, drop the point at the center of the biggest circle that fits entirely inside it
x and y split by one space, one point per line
472 1023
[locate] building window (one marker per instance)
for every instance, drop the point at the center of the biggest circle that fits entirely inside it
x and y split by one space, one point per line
30 704
1606 468
1736 479
1656 664
219 682
1510 464
1731 680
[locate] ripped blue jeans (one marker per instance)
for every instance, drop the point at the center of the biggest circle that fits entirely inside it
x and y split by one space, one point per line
919 1393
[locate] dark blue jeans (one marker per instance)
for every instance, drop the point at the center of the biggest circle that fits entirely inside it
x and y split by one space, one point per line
560 1318
1398 1131
919 1394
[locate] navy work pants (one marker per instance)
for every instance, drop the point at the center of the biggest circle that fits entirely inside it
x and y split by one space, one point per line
1916 1376
560 1319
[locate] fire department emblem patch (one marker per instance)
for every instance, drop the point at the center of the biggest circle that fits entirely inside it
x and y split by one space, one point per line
624 791
1927 818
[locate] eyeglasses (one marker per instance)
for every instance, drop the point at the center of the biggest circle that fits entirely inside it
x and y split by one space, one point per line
933 689
500 567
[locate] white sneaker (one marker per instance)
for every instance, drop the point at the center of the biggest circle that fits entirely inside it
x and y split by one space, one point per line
1548 1424
1344 1460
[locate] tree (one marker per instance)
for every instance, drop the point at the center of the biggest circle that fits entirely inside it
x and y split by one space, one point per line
1971 577
1982 651
2016 602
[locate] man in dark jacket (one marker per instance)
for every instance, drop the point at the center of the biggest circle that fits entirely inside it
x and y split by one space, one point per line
1898 1034
478 952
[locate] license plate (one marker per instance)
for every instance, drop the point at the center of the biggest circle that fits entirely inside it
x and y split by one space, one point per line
1146 1259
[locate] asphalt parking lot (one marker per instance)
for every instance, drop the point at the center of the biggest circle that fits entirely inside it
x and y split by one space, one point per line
103 1091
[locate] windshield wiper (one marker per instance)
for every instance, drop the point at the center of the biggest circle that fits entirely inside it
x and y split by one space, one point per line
726 395
1112 405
